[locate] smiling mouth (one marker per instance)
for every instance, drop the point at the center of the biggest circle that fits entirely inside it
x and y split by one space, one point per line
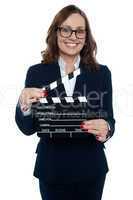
71 44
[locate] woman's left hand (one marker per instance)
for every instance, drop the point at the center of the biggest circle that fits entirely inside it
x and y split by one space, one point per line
98 127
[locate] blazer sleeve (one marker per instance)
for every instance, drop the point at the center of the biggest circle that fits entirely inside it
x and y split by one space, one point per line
27 124
108 101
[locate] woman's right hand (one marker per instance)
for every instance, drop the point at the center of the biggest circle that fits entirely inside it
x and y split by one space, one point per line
29 96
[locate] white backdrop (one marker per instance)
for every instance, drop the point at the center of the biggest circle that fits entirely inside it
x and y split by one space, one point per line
23 30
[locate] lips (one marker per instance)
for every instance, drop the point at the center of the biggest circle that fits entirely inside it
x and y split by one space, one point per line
71 45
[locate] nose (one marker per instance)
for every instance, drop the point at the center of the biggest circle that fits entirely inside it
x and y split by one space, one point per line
73 36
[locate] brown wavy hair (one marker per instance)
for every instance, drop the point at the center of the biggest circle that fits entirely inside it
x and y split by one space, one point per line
88 53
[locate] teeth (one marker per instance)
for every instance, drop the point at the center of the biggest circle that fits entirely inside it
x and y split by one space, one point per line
71 44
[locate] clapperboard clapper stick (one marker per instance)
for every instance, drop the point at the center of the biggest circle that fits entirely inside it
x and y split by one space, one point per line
60 115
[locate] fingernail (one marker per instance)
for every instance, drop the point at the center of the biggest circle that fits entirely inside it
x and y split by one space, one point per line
97 137
24 108
45 93
81 126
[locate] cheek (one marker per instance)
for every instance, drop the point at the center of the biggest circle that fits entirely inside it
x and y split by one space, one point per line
83 42
60 42
81 45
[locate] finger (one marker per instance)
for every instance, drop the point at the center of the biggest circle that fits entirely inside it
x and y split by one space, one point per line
23 101
92 121
88 122
95 121
32 92
93 131
95 125
24 108
37 94
91 126
20 100
33 100
101 139
98 138
23 97
37 89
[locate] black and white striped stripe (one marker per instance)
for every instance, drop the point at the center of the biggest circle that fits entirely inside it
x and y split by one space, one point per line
56 83
58 100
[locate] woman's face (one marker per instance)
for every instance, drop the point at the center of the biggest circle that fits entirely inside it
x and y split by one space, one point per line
68 43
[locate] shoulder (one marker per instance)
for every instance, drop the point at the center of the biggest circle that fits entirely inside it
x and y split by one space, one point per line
41 74
101 75
104 69
39 67
99 70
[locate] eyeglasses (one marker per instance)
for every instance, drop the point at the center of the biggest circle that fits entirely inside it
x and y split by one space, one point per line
66 32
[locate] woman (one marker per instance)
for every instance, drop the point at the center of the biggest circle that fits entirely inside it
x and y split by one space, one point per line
70 167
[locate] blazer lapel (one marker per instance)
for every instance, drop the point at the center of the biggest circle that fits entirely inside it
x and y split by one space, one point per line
80 83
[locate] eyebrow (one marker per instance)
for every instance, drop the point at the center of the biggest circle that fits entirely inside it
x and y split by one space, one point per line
73 27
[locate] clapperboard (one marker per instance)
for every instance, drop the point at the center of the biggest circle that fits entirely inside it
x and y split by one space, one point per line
60 115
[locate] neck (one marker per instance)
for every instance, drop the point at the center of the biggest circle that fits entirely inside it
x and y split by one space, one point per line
69 60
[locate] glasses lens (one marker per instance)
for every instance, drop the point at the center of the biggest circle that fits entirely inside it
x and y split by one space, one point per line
65 32
81 33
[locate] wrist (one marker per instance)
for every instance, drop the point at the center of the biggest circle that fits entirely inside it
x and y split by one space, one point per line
25 109
108 135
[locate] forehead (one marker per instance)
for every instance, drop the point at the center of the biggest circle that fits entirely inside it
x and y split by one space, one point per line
74 20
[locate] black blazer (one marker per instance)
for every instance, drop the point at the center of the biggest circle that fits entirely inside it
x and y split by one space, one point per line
62 159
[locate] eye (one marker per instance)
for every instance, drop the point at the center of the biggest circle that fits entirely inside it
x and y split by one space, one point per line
65 30
80 31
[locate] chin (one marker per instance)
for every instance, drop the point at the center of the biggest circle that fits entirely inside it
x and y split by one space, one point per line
71 53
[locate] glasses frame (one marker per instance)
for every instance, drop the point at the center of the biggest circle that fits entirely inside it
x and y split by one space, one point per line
72 31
